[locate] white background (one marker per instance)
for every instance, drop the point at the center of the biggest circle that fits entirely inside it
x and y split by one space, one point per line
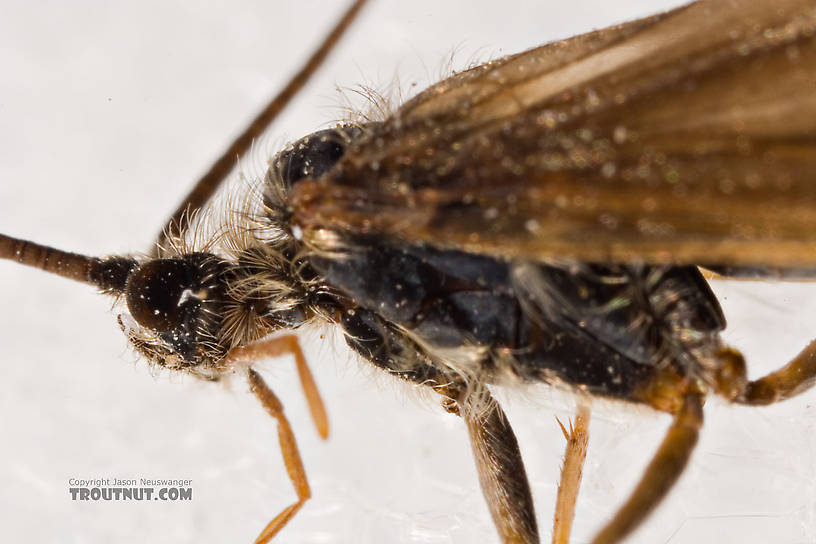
107 114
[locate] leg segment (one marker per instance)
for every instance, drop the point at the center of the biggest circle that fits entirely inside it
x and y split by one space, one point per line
501 470
284 345
291 456
498 460
571 473
790 380
661 474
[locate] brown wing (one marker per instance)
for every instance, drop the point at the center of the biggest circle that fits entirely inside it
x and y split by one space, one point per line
686 137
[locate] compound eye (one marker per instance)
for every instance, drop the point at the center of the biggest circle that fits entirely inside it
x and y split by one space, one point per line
159 293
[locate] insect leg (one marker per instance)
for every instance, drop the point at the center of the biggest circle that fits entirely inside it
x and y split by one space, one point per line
571 473
662 472
291 456
498 460
501 470
790 380
284 345
206 186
